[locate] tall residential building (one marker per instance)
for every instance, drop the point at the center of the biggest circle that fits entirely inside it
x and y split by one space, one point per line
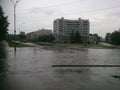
63 28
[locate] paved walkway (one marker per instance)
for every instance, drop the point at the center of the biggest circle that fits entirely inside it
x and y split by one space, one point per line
110 45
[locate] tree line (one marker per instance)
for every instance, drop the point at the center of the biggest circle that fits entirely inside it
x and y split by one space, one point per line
113 37
3 25
75 37
46 38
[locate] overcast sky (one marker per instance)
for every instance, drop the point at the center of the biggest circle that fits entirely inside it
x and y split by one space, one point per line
104 15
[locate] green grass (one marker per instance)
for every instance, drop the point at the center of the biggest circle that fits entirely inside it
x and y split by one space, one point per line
79 44
83 45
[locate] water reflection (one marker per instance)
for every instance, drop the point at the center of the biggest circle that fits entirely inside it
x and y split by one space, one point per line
35 50
71 56
3 64
30 68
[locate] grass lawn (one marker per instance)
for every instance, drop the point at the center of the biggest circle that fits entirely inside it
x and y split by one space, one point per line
79 44
84 45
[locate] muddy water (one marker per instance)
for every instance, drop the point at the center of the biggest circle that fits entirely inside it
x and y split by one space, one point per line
30 69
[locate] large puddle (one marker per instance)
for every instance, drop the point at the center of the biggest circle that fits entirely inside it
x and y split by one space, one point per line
30 69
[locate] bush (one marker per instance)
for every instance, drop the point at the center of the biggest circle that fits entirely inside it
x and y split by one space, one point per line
46 38
115 38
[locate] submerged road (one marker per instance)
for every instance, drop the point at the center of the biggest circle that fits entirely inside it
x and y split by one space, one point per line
31 68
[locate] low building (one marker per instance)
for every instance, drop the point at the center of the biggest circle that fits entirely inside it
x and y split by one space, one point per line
43 32
30 36
34 35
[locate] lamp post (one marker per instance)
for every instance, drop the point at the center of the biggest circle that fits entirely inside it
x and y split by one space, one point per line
15 4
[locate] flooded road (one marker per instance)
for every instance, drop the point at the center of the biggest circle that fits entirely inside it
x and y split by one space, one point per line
30 69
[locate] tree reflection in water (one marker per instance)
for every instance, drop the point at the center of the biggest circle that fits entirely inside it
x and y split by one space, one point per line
3 59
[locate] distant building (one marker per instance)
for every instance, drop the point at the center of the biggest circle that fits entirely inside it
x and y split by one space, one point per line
22 33
30 36
102 39
34 35
43 32
63 28
92 39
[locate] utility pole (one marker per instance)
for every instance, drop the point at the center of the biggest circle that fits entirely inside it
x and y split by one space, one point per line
15 4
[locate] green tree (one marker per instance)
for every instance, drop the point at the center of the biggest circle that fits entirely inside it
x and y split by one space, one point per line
115 37
108 37
72 37
46 38
21 36
98 38
51 38
3 25
77 37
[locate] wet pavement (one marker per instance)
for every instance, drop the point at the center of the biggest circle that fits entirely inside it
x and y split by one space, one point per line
30 69
110 45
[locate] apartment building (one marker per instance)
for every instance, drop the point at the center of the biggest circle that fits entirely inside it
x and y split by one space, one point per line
63 28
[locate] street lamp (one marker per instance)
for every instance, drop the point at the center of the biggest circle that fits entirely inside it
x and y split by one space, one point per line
15 4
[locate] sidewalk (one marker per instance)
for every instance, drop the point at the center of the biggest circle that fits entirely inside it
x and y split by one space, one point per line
110 45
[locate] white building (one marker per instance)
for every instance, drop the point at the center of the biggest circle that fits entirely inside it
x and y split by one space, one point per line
43 32
63 28
119 30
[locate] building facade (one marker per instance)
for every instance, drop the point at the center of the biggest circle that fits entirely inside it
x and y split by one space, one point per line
43 32
30 36
63 28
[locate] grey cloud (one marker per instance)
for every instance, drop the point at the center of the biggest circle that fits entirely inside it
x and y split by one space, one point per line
114 14
48 12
